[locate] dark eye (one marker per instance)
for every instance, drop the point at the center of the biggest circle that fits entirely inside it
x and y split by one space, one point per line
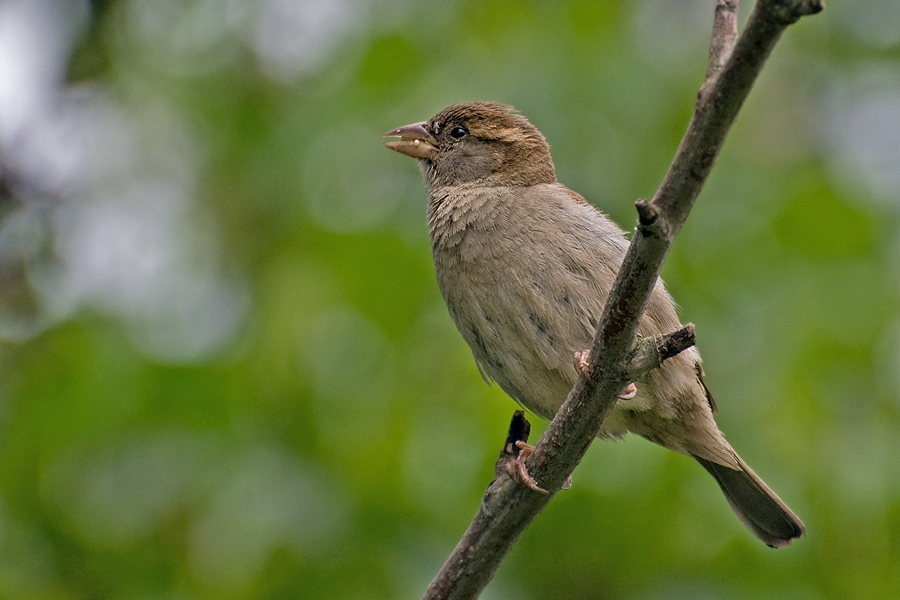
458 131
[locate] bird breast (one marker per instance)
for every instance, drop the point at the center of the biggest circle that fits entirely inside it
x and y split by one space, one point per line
524 273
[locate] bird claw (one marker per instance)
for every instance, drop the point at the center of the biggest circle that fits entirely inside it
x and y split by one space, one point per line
581 361
629 392
582 365
525 450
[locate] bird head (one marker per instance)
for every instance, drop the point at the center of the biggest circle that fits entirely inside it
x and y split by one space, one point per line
481 143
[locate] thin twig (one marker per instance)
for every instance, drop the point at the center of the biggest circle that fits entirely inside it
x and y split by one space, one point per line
508 507
649 354
724 36
519 430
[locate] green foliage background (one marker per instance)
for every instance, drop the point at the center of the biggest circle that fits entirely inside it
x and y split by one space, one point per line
330 436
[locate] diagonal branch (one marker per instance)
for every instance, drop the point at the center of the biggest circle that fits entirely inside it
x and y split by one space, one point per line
508 507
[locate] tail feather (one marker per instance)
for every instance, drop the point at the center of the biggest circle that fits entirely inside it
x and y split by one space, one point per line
755 504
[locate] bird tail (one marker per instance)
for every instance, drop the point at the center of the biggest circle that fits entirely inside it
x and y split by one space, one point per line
755 504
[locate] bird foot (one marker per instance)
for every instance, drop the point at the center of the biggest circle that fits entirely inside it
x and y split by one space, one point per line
526 450
629 392
582 365
581 361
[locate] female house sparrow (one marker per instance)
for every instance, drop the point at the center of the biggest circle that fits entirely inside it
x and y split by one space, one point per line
525 266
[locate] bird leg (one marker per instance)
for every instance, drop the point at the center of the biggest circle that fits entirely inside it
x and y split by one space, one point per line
582 365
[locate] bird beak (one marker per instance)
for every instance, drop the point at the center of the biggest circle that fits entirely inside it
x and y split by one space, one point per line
414 141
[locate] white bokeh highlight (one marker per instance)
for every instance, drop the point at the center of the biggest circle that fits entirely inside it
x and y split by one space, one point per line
111 181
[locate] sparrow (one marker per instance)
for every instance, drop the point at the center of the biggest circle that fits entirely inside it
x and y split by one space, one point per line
525 265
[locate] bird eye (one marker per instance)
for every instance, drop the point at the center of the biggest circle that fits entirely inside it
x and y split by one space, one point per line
458 132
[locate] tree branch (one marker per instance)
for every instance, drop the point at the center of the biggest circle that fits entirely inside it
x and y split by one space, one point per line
650 354
724 36
616 355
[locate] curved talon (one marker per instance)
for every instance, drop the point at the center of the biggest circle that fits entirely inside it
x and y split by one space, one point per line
525 451
581 361
629 392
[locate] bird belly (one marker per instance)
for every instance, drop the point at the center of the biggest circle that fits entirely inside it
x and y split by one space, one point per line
524 335
527 344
